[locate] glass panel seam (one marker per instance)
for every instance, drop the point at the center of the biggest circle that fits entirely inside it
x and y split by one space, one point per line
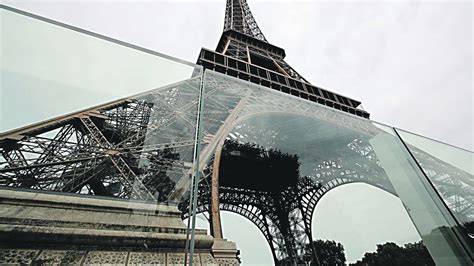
446 211
195 180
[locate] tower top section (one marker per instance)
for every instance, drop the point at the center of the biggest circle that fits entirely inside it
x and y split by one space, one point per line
239 18
244 52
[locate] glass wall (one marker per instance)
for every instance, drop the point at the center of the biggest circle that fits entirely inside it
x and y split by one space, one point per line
450 171
97 150
275 157
51 69
321 186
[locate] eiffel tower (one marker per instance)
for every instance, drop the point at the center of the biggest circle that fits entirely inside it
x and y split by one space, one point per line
283 211
244 52
147 146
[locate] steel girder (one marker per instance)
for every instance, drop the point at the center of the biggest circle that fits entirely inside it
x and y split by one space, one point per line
285 218
239 17
133 148
455 185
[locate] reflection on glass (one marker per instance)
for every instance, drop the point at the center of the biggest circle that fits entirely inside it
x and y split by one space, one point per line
137 148
118 172
343 215
48 70
450 171
267 156
103 184
276 157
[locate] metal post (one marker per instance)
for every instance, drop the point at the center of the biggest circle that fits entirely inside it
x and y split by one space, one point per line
195 181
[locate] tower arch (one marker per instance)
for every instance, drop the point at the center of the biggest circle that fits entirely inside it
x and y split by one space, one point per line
284 218
360 216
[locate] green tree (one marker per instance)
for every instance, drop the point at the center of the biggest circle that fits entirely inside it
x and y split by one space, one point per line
410 254
328 252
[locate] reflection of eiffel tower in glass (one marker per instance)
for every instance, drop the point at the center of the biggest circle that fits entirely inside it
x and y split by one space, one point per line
266 155
282 212
278 201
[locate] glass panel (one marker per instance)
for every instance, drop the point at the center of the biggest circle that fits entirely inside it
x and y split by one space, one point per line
451 172
431 218
105 185
276 158
166 155
48 70
131 162
319 184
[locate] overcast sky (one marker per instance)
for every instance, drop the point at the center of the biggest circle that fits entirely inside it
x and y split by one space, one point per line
409 62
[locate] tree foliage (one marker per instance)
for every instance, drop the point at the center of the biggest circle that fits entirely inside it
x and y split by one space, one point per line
156 177
251 166
328 252
410 254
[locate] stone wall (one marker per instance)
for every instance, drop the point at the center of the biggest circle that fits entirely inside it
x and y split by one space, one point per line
53 228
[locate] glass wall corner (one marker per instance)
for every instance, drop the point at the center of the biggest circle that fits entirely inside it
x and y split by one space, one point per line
449 171
429 214
260 144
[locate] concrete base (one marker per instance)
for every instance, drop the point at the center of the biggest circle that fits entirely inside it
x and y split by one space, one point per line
225 252
63 228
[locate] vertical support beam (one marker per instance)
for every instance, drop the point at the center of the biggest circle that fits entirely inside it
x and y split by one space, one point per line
248 55
307 228
215 215
226 46
269 238
218 141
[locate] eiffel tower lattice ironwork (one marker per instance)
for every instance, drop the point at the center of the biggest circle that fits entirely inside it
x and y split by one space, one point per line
283 214
142 147
244 52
